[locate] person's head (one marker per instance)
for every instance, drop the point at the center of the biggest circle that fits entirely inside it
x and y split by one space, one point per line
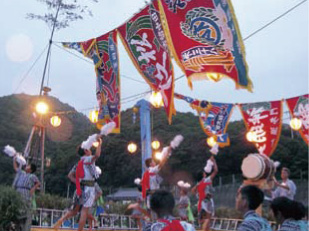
285 173
200 175
30 168
283 208
150 163
162 203
249 197
183 191
83 152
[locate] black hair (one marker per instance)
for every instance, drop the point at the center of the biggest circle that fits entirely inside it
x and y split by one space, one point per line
200 176
287 170
253 195
148 162
288 208
33 168
139 187
80 151
162 203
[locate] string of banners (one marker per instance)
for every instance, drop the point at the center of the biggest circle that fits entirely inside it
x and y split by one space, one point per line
263 118
202 36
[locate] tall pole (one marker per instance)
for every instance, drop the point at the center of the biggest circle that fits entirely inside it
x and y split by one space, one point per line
144 110
49 46
42 128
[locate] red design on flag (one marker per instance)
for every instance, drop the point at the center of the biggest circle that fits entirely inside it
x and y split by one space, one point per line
299 108
144 40
264 119
204 38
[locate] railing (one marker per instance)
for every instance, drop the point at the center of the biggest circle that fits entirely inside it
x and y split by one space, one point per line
48 217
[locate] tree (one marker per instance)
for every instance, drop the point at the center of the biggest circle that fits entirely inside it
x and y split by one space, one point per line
69 11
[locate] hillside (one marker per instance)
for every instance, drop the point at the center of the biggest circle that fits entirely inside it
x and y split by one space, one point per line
119 167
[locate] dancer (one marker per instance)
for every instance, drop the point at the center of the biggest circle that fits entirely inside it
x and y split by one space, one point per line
204 190
289 214
162 203
151 180
249 199
184 205
26 183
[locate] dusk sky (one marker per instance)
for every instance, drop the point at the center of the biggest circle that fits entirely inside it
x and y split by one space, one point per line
277 55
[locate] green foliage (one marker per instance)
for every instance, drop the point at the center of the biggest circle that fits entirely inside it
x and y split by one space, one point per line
49 201
121 168
11 205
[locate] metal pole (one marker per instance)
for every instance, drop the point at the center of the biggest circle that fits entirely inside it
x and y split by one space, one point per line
49 46
42 157
145 108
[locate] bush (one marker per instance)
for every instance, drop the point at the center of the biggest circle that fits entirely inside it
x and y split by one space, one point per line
49 201
11 206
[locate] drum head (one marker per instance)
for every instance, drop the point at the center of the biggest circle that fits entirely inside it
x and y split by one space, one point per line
252 167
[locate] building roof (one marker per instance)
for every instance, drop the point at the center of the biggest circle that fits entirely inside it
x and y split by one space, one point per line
124 194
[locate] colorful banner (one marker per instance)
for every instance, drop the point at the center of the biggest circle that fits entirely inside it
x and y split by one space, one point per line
103 52
214 118
299 108
204 38
144 40
264 120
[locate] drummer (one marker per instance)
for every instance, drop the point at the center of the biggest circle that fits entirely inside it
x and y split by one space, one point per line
286 188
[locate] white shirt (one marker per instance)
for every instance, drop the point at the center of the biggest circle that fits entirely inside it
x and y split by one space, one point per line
282 192
153 180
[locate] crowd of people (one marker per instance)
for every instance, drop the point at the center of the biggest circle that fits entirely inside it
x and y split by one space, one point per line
155 208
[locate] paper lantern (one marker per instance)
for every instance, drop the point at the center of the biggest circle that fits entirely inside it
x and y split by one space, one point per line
93 116
156 99
295 124
211 141
132 147
155 144
251 136
41 108
55 121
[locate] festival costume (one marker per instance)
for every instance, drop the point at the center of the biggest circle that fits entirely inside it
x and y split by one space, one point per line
205 201
282 192
169 223
23 183
293 225
254 222
85 181
183 205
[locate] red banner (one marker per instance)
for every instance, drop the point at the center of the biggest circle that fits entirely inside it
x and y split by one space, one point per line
205 40
264 120
144 40
299 108
103 52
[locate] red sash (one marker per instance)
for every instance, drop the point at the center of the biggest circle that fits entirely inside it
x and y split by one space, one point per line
146 182
79 175
201 193
174 225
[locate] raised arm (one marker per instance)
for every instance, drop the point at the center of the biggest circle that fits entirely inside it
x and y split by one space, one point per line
15 165
165 156
214 173
71 176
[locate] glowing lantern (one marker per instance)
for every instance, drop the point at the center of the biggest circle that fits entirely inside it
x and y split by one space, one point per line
156 99
155 144
41 108
135 109
158 155
211 141
132 147
95 144
93 116
251 136
55 121
295 124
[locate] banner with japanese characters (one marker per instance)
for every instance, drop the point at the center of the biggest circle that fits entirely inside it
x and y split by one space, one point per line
103 51
205 41
263 120
214 118
144 40
299 108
